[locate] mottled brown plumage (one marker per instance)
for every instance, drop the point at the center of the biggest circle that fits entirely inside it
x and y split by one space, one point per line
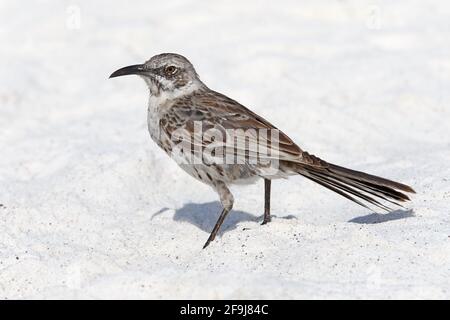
185 112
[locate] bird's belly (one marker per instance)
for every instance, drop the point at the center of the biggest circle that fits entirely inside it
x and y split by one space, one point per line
229 174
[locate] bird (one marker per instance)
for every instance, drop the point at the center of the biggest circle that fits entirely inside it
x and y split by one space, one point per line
199 127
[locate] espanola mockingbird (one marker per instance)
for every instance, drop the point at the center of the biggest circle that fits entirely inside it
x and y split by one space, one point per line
183 111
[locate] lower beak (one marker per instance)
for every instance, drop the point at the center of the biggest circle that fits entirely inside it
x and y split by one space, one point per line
134 69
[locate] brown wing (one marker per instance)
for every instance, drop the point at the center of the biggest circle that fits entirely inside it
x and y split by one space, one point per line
217 111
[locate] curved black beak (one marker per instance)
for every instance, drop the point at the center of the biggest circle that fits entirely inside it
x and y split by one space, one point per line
134 69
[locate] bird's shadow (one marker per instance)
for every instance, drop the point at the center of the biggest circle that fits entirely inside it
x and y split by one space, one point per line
374 218
205 215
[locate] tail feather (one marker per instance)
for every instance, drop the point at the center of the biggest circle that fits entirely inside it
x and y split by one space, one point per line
338 191
369 178
383 192
357 186
348 189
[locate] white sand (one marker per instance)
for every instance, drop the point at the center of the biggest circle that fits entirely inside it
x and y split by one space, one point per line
91 208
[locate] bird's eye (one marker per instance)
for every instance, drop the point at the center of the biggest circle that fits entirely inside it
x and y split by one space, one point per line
170 70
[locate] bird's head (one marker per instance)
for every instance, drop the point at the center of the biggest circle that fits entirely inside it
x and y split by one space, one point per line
166 73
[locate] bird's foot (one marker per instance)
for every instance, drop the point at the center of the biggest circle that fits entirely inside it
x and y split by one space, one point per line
266 220
206 244
211 238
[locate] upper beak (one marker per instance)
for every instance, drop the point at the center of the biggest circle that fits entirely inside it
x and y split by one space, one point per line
134 69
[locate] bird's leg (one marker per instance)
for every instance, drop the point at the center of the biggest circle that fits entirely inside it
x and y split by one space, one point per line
226 198
267 218
219 222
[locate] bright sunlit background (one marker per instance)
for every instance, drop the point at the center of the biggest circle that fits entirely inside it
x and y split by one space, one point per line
91 208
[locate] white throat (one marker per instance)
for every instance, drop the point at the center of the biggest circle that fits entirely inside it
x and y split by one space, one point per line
161 100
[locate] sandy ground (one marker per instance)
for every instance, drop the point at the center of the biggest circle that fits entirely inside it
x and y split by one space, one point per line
91 208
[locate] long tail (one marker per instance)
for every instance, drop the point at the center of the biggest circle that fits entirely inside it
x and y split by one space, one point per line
356 186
